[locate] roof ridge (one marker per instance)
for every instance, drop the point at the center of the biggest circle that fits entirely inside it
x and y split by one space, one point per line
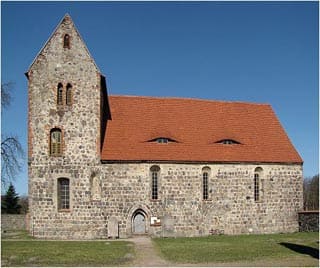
187 98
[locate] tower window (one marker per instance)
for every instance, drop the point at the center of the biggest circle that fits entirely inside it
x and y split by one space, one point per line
155 170
55 142
64 95
63 193
69 94
66 41
60 94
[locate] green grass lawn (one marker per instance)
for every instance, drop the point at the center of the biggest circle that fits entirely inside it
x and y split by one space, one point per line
66 253
16 235
298 249
220 249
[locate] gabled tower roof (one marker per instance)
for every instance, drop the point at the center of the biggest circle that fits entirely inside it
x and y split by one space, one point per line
66 20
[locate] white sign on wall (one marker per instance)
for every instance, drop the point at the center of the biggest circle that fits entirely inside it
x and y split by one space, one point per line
155 221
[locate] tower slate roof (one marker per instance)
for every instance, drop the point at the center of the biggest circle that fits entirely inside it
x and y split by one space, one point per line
196 128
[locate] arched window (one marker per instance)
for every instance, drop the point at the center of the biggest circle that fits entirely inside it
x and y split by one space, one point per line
66 41
60 94
63 193
55 142
205 183
257 184
155 171
69 94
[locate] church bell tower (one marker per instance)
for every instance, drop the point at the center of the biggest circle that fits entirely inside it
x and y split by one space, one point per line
67 107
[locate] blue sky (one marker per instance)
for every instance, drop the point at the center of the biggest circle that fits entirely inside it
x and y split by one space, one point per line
264 52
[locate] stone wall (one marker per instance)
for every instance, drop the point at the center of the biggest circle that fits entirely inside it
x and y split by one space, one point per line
309 221
180 209
13 222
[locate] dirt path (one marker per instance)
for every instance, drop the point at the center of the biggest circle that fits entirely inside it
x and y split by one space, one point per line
147 255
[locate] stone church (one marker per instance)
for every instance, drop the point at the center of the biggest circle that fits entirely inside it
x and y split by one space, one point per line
104 166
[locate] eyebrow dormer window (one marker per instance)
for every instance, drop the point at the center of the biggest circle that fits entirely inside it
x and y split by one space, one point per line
162 140
228 141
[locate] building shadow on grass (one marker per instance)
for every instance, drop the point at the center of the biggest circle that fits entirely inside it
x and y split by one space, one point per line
313 252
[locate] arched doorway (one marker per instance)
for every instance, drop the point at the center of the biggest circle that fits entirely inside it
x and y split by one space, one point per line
139 222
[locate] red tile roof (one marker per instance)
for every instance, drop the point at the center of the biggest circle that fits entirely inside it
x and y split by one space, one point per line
196 125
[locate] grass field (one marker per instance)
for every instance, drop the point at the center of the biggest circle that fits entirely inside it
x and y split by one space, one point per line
242 248
16 235
66 253
298 249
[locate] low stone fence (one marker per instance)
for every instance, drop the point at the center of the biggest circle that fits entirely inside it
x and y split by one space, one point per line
14 222
309 221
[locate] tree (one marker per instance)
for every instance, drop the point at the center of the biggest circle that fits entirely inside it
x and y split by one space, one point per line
311 193
12 154
10 203
11 158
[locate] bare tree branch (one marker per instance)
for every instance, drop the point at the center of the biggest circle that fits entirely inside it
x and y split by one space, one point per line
12 156
6 97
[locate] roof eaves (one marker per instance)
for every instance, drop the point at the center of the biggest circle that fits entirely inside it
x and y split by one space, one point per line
247 162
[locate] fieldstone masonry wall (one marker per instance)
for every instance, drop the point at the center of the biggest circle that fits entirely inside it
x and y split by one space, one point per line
125 188
13 222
